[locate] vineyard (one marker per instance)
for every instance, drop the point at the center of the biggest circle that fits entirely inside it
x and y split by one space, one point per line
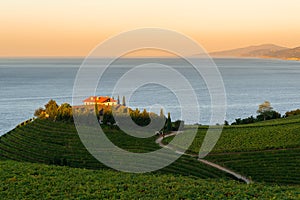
57 143
21 180
283 133
266 151
54 163
275 166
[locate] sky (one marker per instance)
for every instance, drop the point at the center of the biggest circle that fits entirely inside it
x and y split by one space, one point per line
74 27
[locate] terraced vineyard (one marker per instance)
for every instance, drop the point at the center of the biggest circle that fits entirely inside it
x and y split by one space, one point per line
274 166
283 133
21 180
43 141
266 151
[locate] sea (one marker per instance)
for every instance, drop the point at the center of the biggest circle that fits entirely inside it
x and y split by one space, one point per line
29 83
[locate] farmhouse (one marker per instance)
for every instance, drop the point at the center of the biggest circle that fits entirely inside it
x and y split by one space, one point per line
100 100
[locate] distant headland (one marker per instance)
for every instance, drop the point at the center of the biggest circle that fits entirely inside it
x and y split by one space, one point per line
260 51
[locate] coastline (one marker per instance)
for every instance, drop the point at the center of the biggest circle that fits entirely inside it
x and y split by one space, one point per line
262 57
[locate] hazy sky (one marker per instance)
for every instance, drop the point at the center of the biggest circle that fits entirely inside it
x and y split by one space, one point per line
75 27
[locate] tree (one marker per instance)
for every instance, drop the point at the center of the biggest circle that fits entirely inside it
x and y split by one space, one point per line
226 123
145 118
135 116
145 113
169 123
38 113
118 101
108 118
268 115
123 101
51 109
178 125
238 121
265 109
64 112
97 111
292 112
161 114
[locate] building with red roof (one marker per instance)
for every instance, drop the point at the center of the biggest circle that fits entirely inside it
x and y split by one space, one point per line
99 100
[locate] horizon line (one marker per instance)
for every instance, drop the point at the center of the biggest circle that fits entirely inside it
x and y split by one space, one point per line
169 56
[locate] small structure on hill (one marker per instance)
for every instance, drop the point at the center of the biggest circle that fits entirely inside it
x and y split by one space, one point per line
100 100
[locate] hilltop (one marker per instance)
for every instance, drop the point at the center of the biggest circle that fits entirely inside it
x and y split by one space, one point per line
260 51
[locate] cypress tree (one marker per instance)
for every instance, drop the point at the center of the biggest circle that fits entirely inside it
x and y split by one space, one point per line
97 111
162 113
169 123
123 101
118 101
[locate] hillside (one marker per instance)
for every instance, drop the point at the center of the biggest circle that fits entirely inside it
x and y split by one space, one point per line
57 143
266 151
32 181
289 54
260 51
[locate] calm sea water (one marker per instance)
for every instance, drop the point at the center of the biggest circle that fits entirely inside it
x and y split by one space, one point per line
26 84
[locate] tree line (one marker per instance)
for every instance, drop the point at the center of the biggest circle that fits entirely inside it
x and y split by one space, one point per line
55 112
265 112
141 118
104 114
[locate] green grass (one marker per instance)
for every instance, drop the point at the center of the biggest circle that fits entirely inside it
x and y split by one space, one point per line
267 151
32 181
47 142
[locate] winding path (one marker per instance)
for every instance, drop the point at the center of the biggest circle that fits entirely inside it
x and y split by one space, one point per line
236 175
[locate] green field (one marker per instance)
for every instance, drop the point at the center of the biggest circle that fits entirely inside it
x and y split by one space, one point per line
266 151
39 181
273 134
47 142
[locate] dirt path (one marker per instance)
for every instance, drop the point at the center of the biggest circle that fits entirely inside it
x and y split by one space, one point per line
236 175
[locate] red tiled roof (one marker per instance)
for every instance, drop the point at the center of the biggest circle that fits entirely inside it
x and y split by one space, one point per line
100 99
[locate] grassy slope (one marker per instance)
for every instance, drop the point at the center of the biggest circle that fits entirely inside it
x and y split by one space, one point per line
266 151
29 181
273 134
58 143
48 142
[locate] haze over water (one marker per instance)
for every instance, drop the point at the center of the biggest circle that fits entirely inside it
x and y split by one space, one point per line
26 84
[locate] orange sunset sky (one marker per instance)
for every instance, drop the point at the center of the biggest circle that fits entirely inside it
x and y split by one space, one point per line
75 27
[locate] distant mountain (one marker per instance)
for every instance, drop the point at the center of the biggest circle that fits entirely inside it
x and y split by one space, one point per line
287 54
260 51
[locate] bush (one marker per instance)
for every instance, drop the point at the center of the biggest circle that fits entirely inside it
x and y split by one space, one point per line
292 113
262 117
54 112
